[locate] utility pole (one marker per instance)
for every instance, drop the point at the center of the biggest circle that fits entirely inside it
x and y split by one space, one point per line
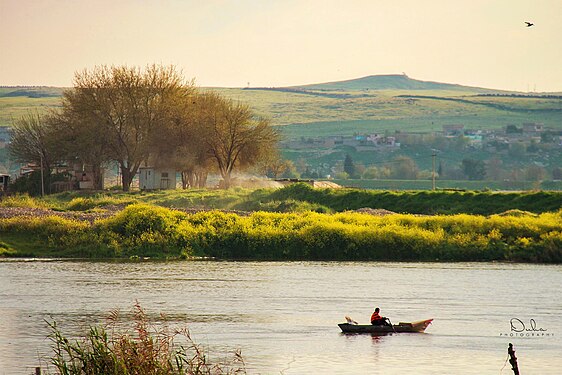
433 171
42 179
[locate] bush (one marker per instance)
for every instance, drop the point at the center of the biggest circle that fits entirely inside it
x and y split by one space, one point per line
21 200
149 231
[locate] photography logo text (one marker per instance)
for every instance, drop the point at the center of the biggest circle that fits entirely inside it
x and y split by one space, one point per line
527 328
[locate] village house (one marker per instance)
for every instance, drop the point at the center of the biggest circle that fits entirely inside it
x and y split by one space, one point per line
532 128
380 140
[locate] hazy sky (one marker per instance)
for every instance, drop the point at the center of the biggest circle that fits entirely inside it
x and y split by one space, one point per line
232 43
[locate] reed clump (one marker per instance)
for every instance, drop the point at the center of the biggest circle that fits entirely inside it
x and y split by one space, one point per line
142 348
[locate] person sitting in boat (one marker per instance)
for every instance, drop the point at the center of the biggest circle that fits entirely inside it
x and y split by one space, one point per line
378 320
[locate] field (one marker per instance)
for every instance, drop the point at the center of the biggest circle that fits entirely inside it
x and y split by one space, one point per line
16 102
306 115
311 113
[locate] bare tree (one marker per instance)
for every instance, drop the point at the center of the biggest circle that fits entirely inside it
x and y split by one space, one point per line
180 141
80 139
235 139
208 132
126 106
32 142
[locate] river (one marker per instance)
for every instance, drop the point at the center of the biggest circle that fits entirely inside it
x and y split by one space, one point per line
283 315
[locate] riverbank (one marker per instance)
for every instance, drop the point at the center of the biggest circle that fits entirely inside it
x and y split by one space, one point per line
301 197
141 230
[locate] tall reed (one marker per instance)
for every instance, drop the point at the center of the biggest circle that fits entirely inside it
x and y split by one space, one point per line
144 349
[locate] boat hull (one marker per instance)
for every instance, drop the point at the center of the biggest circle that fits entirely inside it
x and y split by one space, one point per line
414 327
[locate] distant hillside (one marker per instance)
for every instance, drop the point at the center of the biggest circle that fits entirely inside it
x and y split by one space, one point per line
30 92
392 82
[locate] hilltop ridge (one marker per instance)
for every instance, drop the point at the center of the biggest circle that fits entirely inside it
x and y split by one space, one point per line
392 82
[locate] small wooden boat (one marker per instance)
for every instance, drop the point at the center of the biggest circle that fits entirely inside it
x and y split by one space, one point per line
414 327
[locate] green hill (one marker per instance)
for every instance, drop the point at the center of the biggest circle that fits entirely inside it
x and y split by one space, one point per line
392 82
30 92
370 104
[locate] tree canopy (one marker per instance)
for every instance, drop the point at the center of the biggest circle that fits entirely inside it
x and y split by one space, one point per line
132 116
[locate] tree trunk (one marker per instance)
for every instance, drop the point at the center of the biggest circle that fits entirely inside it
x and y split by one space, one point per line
126 178
97 176
202 179
226 180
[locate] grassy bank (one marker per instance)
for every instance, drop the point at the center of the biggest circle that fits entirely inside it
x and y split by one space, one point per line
422 202
514 186
302 198
143 230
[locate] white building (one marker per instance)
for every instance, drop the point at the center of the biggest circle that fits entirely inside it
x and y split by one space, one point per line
152 178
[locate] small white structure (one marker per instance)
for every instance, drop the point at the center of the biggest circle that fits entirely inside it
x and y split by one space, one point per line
152 178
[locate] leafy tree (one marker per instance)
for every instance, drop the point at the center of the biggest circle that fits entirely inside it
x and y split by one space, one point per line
404 168
359 170
342 175
548 137
533 147
557 173
273 165
370 173
512 129
494 169
517 150
290 171
474 169
535 173
349 166
461 142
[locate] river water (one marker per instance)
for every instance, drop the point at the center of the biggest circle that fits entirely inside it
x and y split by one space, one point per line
283 315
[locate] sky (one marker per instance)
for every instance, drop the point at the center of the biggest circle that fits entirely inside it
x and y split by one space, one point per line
272 43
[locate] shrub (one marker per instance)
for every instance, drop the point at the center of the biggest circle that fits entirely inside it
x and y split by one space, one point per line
21 200
150 231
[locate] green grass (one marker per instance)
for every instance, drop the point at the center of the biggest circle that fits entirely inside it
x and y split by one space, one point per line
13 108
20 245
364 111
191 198
301 197
450 184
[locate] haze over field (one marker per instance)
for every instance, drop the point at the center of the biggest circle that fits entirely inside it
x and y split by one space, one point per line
285 43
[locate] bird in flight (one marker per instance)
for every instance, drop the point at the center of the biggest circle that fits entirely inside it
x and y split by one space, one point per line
529 24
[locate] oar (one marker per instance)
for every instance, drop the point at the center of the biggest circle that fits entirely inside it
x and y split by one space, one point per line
391 325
